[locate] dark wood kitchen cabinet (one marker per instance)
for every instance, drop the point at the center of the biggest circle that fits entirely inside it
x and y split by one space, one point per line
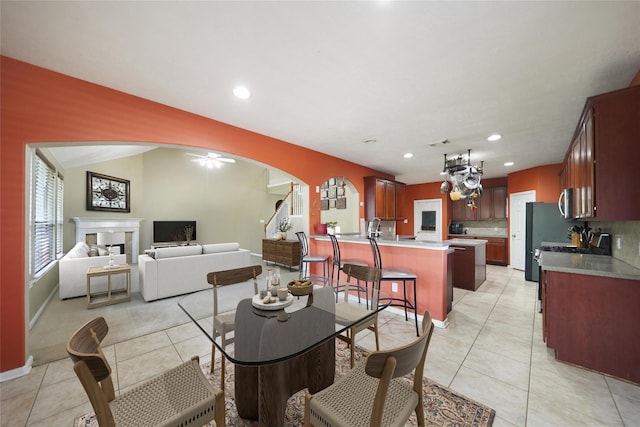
492 205
496 250
384 199
600 164
469 268
460 212
591 321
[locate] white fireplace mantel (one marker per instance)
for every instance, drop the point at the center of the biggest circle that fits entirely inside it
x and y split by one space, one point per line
93 225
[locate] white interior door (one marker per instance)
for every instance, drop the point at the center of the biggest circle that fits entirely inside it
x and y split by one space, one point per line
517 226
427 205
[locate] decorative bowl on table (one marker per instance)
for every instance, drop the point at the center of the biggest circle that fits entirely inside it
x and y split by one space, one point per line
300 287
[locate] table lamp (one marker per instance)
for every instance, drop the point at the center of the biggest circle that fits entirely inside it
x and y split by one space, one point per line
109 239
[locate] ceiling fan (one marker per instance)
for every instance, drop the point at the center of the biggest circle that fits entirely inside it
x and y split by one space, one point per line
211 160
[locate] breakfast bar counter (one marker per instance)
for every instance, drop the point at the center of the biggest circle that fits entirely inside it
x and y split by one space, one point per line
427 259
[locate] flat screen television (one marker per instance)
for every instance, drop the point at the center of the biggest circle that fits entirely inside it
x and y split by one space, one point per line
172 231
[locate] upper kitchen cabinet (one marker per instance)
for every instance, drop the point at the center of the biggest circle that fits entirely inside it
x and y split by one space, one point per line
492 205
600 164
384 199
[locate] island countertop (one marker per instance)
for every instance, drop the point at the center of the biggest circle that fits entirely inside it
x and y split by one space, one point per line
592 265
406 241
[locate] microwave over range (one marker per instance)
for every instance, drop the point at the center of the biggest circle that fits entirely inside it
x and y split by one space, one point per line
565 203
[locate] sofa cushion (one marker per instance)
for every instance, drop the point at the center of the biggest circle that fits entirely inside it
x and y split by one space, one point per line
177 251
80 250
213 248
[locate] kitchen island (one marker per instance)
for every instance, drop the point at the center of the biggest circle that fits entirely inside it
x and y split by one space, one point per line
470 266
590 312
429 260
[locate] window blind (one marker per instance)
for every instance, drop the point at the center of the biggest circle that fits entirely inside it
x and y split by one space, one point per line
44 213
59 214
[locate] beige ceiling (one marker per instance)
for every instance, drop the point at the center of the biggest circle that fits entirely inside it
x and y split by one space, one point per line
329 75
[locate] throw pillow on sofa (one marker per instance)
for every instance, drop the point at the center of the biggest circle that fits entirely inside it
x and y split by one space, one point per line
80 250
178 251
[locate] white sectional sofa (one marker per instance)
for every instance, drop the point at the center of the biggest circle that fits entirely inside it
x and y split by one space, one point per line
167 272
72 270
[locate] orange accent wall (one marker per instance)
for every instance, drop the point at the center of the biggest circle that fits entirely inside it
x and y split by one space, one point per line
39 105
430 190
545 180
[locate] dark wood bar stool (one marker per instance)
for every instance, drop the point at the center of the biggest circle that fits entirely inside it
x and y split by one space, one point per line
397 275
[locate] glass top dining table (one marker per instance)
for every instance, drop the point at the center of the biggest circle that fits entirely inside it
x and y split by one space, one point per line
264 336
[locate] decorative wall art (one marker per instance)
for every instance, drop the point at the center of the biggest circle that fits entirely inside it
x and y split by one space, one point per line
333 194
107 193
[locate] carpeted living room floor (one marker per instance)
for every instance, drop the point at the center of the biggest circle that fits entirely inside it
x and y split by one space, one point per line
491 352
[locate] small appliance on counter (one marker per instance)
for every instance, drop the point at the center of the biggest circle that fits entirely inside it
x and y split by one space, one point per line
601 244
455 228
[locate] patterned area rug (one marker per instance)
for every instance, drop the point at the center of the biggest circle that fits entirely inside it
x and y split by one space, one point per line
442 406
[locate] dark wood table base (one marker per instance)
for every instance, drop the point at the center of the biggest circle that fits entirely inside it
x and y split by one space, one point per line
261 392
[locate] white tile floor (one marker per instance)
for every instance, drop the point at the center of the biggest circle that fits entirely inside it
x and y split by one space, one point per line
492 352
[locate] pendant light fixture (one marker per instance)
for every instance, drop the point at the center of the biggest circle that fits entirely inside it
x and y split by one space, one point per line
462 179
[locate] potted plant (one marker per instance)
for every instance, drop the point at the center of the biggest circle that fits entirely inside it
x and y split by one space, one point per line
331 226
283 226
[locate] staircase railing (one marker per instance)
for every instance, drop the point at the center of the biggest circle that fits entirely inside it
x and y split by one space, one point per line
291 206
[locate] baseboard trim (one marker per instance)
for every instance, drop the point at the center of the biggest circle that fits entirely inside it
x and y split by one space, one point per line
18 372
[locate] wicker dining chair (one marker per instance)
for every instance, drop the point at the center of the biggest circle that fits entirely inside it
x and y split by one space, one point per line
223 323
374 392
179 397
348 312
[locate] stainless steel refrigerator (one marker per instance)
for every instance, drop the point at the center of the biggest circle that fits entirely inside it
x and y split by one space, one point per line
544 224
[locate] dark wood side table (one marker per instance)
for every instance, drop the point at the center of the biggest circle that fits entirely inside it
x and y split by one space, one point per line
284 252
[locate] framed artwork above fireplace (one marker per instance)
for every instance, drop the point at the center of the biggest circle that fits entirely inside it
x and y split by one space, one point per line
107 193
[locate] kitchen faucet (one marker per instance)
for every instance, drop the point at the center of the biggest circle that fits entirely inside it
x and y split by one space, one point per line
374 231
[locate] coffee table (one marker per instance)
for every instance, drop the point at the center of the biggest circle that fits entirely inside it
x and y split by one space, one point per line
110 296
277 353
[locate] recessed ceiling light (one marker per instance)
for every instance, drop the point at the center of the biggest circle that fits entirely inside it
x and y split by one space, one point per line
241 92
494 137
407 155
508 163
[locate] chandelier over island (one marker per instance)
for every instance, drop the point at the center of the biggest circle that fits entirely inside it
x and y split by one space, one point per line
462 179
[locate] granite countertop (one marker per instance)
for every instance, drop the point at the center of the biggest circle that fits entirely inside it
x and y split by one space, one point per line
467 242
497 235
399 241
592 265
407 241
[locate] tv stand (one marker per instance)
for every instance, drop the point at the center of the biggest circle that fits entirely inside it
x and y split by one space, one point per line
156 245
